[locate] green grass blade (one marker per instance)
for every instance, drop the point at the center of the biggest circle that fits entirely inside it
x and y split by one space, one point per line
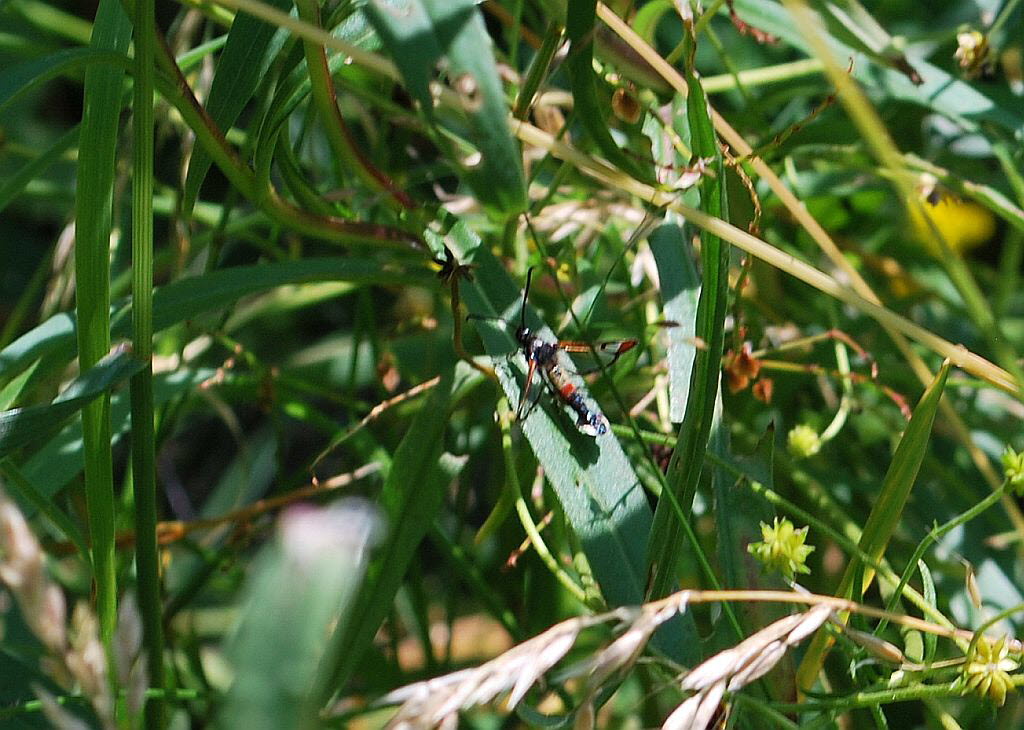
187 298
408 34
13 391
300 583
411 495
941 91
851 22
61 459
144 489
22 78
684 471
20 426
96 169
26 492
886 513
600 493
680 292
35 167
251 45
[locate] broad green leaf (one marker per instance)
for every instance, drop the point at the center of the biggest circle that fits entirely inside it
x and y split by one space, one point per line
680 292
600 493
408 34
299 585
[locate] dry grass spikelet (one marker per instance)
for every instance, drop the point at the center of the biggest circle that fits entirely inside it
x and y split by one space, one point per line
436 702
737 667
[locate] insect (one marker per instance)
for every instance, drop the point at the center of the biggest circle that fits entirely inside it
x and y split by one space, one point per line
542 356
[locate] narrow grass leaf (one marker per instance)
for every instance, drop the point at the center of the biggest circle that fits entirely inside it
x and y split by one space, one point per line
931 641
250 47
21 79
685 467
12 391
35 167
850 21
886 513
299 585
60 460
102 99
579 26
22 489
411 496
245 479
20 426
408 34
187 298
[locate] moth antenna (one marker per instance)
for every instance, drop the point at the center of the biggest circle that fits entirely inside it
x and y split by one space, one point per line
526 293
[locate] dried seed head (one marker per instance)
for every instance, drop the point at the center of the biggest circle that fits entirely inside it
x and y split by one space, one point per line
737 667
137 684
57 716
698 711
880 648
22 566
428 704
49 622
128 637
87 661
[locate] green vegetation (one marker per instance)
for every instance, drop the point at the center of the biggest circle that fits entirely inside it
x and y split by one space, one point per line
272 453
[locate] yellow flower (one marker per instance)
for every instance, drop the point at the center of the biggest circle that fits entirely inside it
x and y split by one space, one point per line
782 548
963 224
973 53
987 671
